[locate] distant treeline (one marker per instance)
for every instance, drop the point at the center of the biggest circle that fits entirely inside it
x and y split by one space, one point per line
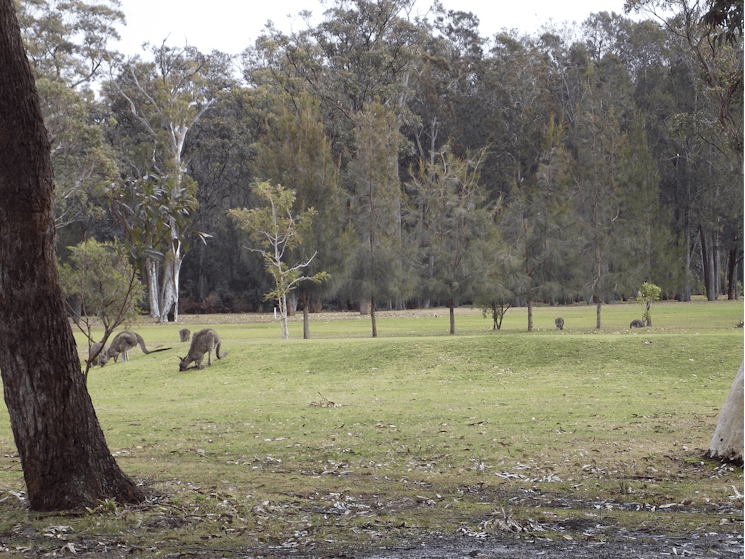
443 167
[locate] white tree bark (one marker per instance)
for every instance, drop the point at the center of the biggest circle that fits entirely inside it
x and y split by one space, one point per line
151 269
171 272
176 122
168 290
283 317
727 442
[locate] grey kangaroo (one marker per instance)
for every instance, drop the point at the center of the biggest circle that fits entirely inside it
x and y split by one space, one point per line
202 342
559 323
97 350
122 343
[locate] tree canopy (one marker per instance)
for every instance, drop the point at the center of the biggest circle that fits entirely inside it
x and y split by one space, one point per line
609 154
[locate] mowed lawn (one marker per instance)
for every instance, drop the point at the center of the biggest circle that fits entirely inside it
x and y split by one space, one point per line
401 424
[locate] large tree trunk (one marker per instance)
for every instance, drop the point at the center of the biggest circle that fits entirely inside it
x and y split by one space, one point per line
729 434
153 293
171 272
727 442
63 452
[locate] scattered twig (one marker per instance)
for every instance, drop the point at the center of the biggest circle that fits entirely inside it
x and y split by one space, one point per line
324 403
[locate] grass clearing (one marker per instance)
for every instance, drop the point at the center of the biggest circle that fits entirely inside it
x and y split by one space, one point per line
345 442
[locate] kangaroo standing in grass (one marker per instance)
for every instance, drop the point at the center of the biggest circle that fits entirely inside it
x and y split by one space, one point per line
202 342
123 342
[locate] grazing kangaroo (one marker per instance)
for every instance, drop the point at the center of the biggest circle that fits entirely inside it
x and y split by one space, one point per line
636 324
202 342
184 334
559 323
97 350
123 342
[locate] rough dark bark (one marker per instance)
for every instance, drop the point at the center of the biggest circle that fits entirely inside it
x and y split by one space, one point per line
66 462
306 310
373 319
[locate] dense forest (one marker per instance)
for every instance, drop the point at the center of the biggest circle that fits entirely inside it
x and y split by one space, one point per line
430 165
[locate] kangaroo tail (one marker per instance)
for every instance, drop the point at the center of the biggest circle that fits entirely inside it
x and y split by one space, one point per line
217 351
142 343
157 350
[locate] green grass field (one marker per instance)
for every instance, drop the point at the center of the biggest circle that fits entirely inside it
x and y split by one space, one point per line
343 440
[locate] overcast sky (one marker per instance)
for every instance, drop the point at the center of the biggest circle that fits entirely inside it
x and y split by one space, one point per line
232 25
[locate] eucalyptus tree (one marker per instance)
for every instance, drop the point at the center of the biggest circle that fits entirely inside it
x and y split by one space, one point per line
63 453
567 61
444 85
166 97
84 164
68 44
361 51
713 43
719 216
604 33
714 38
146 210
468 97
220 151
518 79
367 48
724 21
